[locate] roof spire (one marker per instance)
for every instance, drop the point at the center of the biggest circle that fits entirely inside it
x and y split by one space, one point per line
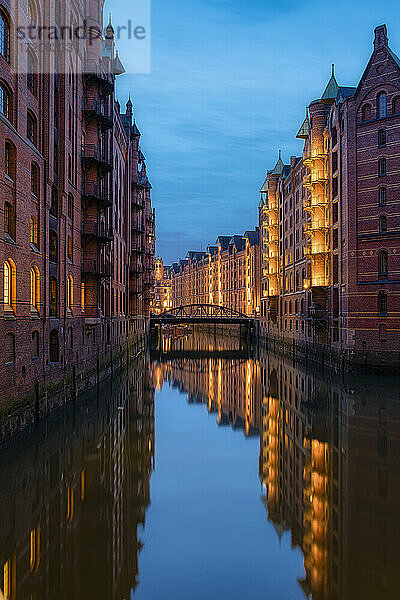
333 69
280 154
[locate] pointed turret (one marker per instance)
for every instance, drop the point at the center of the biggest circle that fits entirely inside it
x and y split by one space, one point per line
277 170
332 89
304 131
129 107
109 30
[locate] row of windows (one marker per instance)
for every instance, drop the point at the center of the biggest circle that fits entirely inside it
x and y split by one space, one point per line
7 111
9 290
381 108
10 346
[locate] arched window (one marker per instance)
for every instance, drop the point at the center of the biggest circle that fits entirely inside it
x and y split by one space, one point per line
382 196
35 179
9 160
54 346
53 246
9 219
35 289
382 303
9 280
9 349
396 106
31 127
35 344
382 167
5 102
4 37
53 296
382 224
83 296
70 293
381 105
366 113
34 231
383 264
69 248
382 138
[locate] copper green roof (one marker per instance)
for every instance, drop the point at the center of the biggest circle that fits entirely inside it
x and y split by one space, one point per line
277 170
332 89
304 130
264 186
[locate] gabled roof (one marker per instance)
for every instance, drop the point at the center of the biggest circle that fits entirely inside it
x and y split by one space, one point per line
253 236
223 240
117 66
135 130
195 256
238 242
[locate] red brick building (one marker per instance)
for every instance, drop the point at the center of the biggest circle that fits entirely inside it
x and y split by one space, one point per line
330 222
77 226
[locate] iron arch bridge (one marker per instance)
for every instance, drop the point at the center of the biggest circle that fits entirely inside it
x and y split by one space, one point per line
201 313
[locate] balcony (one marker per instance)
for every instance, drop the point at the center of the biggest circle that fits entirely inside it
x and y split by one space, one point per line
315 225
94 229
135 287
93 267
309 159
311 249
137 247
314 178
138 201
311 282
316 202
138 227
92 154
93 190
96 108
95 71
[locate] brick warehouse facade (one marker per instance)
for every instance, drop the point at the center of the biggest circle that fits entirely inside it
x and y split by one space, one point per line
78 228
226 275
330 222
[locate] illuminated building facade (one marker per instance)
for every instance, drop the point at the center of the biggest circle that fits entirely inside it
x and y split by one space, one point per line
162 299
228 274
330 232
77 226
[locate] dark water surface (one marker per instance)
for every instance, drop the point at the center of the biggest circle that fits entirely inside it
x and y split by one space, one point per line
208 474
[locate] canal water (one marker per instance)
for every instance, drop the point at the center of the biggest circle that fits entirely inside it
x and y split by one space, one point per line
208 472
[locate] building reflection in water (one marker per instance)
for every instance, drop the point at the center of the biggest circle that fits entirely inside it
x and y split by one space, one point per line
329 459
73 496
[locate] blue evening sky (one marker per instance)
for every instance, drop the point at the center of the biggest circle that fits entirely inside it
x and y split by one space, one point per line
228 86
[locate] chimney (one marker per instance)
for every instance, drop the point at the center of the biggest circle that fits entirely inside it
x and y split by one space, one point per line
381 39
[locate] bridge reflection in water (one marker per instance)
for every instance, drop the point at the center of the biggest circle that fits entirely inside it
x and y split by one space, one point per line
74 490
329 460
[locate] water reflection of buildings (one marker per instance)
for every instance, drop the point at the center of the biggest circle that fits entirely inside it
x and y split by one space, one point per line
329 462
73 495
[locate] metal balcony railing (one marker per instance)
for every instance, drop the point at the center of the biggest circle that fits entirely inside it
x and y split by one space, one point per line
314 178
94 69
96 267
96 154
95 229
99 109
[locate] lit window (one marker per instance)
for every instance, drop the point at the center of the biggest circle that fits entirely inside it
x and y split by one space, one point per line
83 296
382 105
35 288
35 549
69 249
8 580
34 231
70 292
4 38
8 286
70 503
